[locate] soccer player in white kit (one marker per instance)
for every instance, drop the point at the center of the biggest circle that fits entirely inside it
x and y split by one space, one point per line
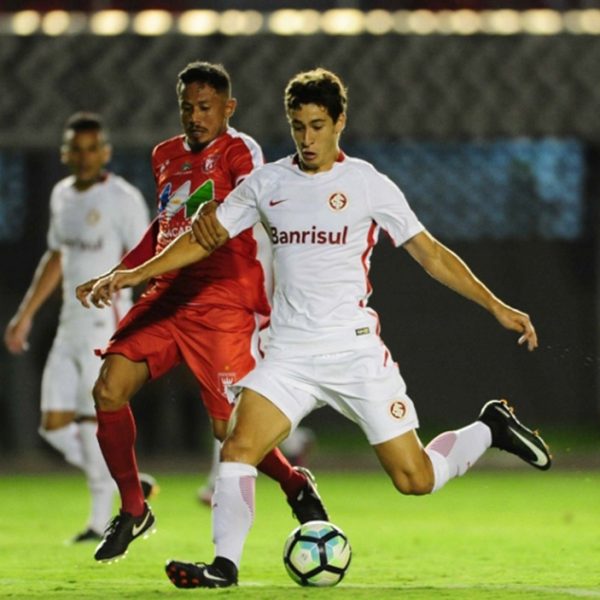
324 211
95 216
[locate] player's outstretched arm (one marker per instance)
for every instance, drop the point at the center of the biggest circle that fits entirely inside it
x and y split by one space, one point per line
181 252
207 229
83 290
447 268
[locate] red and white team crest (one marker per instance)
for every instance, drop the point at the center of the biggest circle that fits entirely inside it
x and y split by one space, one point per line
226 380
337 202
210 163
398 409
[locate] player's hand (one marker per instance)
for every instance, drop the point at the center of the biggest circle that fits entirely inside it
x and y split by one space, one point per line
17 334
83 290
518 321
207 230
105 287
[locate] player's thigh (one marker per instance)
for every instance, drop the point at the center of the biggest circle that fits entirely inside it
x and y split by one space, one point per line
257 426
366 386
120 378
59 381
147 334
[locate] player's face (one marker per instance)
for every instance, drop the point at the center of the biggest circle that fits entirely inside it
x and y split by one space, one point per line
86 154
316 136
204 114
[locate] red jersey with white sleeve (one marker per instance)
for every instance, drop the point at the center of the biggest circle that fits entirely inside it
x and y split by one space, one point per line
232 276
323 228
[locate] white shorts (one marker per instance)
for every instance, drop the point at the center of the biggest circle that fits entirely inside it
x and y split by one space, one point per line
363 385
71 370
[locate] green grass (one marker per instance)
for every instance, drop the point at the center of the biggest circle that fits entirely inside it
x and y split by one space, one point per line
501 534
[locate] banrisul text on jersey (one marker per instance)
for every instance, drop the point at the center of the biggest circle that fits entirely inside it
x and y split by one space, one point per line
309 236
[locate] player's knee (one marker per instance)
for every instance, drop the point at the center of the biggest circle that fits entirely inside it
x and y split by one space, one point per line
239 448
413 483
108 397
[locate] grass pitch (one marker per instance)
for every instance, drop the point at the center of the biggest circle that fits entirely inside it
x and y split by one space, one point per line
492 534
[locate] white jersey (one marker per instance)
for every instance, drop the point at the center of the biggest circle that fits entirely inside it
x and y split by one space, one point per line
92 229
323 228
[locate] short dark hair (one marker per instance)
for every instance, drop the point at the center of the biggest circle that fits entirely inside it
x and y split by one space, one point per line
85 121
319 86
211 74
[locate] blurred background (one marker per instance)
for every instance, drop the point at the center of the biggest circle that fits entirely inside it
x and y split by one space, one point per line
485 113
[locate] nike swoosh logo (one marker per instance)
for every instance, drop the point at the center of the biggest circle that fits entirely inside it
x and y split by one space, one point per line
276 202
210 577
136 529
540 458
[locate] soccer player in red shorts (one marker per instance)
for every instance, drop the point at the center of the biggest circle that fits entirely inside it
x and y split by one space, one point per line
206 315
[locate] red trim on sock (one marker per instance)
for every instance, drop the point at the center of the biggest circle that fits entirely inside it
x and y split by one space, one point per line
116 436
277 467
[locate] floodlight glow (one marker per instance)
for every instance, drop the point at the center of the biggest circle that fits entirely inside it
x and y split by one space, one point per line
590 21
109 22
286 21
311 21
240 22
542 22
199 22
26 22
56 22
422 22
465 22
502 22
343 21
379 22
152 22
401 24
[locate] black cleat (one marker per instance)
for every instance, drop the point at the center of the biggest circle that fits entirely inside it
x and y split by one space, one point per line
149 486
307 505
121 531
511 435
89 535
221 573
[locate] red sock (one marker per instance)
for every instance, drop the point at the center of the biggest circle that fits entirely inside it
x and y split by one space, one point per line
116 436
277 467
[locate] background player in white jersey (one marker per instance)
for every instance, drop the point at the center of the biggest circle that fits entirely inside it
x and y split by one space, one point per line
95 216
324 211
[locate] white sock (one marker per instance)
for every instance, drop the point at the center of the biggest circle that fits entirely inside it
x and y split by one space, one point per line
100 482
66 441
452 453
233 509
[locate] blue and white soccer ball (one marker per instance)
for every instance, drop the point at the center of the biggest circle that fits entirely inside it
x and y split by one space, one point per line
317 553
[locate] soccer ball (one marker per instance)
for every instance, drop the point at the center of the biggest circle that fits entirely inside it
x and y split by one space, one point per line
317 553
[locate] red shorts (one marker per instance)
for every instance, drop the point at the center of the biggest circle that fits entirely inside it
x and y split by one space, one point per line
218 344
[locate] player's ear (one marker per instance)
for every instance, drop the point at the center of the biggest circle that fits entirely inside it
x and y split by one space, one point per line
340 123
107 153
64 151
230 106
